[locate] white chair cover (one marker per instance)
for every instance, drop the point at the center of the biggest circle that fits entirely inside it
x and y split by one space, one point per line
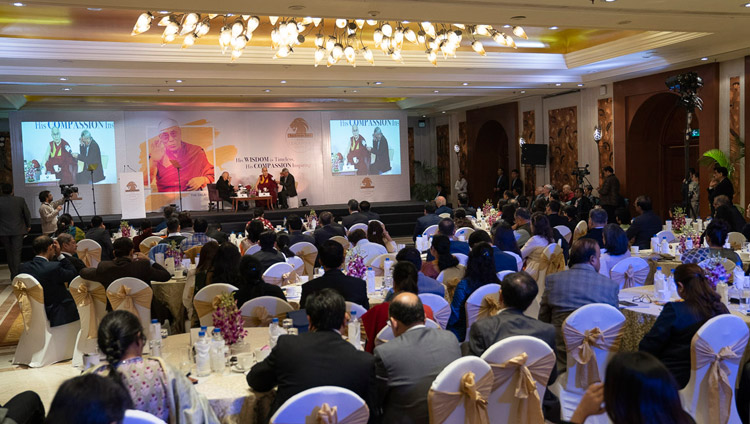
280 274
502 274
308 232
378 262
134 416
378 221
717 349
90 252
149 242
565 232
431 230
521 366
519 259
386 333
581 229
91 302
351 306
259 312
359 226
252 249
580 333
462 259
668 234
441 309
630 272
40 344
204 300
465 232
188 293
484 302
297 263
735 240
539 267
325 405
132 287
451 409
158 248
369 251
307 252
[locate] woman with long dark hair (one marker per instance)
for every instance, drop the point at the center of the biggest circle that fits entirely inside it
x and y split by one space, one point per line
616 244
154 386
376 233
541 234
205 269
480 270
670 337
251 284
88 399
505 239
637 389
441 251
227 264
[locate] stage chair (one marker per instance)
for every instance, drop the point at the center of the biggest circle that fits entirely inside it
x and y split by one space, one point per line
134 416
133 295
630 272
307 252
40 344
318 404
148 243
259 312
509 359
462 259
359 226
203 302
581 229
441 309
721 339
429 231
90 252
564 232
464 232
213 198
668 234
449 397
484 302
91 301
280 274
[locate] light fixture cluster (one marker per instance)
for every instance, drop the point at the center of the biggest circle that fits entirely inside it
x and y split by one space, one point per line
342 43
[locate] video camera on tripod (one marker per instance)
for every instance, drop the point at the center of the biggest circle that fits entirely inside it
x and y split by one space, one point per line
580 173
67 190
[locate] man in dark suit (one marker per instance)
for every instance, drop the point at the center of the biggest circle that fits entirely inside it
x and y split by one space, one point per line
91 156
463 202
331 255
730 213
503 261
644 226
288 188
568 290
720 185
53 276
126 264
328 229
447 227
214 231
99 233
294 226
501 184
553 214
15 222
440 202
429 219
173 232
268 255
515 182
364 209
609 193
407 365
354 217
382 162
68 248
597 221
320 357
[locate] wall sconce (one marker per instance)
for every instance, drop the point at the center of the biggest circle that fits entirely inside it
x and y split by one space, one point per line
521 141
457 149
597 133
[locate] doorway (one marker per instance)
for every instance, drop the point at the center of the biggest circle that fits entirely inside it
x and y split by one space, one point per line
490 151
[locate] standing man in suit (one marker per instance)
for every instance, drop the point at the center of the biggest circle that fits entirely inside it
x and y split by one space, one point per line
515 182
99 233
15 222
609 193
597 221
48 211
54 277
328 229
320 357
644 226
501 184
69 249
568 290
429 219
331 255
90 155
406 366
720 185
288 187
355 216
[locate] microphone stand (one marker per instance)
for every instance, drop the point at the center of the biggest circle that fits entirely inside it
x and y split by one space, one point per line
176 164
91 169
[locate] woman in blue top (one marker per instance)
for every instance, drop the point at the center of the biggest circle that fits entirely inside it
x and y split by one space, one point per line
480 270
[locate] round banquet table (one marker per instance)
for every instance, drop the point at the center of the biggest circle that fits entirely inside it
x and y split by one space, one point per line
374 298
667 265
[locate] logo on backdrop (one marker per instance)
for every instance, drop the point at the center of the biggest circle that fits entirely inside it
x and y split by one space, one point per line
299 128
366 184
132 187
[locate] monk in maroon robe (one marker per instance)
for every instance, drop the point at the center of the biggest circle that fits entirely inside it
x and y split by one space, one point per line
358 151
267 183
59 159
169 152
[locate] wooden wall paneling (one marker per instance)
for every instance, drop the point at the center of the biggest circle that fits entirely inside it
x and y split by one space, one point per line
463 148
6 167
529 135
410 138
734 130
605 145
563 145
747 122
443 156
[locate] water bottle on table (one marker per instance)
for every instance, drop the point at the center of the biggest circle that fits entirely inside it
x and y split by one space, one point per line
218 360
154 342
353 330
202 355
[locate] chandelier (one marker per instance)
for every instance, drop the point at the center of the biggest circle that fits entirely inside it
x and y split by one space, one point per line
342 42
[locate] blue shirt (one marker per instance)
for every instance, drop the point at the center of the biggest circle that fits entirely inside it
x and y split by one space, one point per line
457 321
425 284
196 239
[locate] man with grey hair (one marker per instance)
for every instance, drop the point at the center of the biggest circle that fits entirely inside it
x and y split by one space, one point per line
382 162
288 190
440 202
91 156
597 221
168 152
68 248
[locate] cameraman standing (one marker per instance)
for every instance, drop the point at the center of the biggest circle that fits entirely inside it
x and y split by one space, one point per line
48 212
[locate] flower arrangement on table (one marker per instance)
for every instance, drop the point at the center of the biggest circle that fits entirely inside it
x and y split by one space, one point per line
125 228
32 170
689 234
228 319
714 268
678 219
355 266
173 251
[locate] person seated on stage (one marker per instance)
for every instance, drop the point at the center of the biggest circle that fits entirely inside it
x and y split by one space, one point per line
358 155
173 232
364 209
355 216
294 226
145 231
170 150
288 190
283 243
205 269
65 224
68 248
186 223
377 233
59 160
268 255
327 229
154 386
214 231
331 255
88 399
440 202
54 276
168 211
224 187
99 233
259 215
266 183
252 231
199 237
251 284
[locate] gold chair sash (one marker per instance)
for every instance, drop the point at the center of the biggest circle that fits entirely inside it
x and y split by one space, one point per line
580 346
85 297
309 259
631 277
450 288
86 255
285 279
129 300
474 395
326 414
528 408
720 389
579 232
260 317
192 253
203 308
145 247
490 306
23 294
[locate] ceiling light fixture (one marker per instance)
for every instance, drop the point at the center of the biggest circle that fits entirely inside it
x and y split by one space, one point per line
94 9
466 83
266 91
355 91
580 85
436 91
19 4
171 89
66 89
746 5
178 81
283 81
554 28
63 79
704 59
558 84
523 91
378 83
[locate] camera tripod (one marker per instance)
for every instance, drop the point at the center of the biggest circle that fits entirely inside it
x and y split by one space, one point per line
66 208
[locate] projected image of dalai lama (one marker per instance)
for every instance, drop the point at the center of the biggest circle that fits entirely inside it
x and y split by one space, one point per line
381 160
90 154
59 159
168 151
358 154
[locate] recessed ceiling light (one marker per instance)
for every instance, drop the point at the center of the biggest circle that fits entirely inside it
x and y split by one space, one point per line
424 116
436 91
378 83
466 83
283 81
746 5
296 7
523 91
355 91
554 27
443 111
704 59
580 85
94 9
266 91
66 89
171 89
558 84
63 79
609 1
507 26
18 4
164 12
178 81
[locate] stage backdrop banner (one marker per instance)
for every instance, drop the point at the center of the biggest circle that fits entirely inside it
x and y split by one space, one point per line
132 196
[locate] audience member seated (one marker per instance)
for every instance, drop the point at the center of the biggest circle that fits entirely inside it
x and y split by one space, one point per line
199 237
505 239
268 255
327 229
447 228
503 261
429 219
154 386
522 219
259 215
319 357
204 271
145 231
23 408
622 217
174 235
508 214
715 236
460 220
54 276
251 284
331 255
214 231
597 221
89 399
227 265
99 233
68 248
407 365
294 226
359 245
542 236
440 250
644 226
571 217
65 224
404 281
253 229
168 211
364 208
583 205
186 223
283 243
355 216
724 209
480 270
615 248
463 202
440 204
566 291
670 337
553 214
637 389
376 233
